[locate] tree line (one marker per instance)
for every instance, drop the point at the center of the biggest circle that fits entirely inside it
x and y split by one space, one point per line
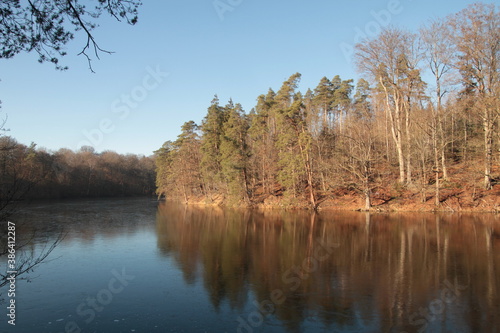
27 172
428 101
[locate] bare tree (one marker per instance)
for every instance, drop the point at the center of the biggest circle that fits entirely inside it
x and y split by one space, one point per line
440 54
17 174
390 62
477 38
358 155
27 259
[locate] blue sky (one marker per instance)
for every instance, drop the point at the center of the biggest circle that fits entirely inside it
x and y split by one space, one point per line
167 68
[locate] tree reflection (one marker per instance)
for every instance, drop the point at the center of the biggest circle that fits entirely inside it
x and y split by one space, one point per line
383 273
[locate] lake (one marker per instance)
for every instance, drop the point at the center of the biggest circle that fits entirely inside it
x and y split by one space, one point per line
135 265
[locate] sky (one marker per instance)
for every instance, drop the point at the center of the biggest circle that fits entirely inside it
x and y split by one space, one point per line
167 68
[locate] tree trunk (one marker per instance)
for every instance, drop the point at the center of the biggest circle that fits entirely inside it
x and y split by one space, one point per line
488 148
401 160
408 141
442 141
184 191
368 199
487 163
308 167
408 165
264 178
245 187
436 160
443 163
439 125
436 197
395 120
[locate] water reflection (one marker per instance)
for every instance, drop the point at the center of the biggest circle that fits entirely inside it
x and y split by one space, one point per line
83 220
340 271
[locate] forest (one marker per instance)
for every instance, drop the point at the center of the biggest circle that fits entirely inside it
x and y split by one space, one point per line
420 126
28 172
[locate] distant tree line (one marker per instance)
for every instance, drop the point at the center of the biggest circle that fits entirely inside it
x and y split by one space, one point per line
45 27
30 173
428 101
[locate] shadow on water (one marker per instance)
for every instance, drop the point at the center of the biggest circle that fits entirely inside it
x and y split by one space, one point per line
340 271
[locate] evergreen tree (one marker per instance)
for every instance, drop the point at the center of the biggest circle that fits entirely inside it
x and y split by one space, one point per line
178 164
287 109
337 141
212 131
187 160
341 100
294 141
262 134
323 98
164 169
234 152
361 103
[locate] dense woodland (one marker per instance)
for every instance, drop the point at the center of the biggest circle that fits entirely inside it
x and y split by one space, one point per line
27 172
424 118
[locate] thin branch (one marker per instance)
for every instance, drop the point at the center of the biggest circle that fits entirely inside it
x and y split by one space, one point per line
90 38
28 264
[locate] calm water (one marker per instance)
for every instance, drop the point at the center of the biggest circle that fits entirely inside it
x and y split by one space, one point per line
138 266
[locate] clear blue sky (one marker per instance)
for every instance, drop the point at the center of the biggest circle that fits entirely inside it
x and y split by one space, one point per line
238 53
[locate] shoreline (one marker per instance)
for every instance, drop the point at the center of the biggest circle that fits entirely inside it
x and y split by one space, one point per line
454 201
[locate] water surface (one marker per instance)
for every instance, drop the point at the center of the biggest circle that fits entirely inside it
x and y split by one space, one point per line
136 266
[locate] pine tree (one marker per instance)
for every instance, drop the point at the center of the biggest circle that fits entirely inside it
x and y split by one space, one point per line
294 141
212 131
163 162
323 98
178 165
342 101
234 152
361 103
262 134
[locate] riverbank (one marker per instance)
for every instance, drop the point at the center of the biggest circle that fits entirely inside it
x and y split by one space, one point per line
461 193
452 200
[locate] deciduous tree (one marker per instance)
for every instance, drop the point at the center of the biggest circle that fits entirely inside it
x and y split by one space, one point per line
476 31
